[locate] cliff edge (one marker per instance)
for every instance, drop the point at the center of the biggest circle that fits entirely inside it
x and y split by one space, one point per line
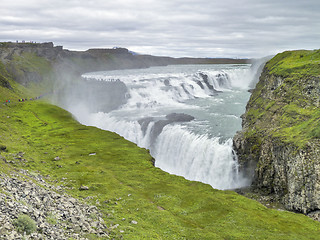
279 145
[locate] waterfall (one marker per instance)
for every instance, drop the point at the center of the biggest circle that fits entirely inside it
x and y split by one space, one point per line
186 118
197 157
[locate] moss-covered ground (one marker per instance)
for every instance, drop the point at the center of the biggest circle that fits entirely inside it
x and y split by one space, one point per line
126 186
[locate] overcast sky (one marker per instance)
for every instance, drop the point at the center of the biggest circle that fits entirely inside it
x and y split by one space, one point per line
198 28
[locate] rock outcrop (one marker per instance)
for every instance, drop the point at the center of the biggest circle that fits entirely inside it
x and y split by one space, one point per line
279 145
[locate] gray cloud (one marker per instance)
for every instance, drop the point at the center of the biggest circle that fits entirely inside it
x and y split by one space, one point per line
199 28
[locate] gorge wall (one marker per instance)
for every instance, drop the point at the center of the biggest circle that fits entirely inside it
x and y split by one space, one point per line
279 144
76 63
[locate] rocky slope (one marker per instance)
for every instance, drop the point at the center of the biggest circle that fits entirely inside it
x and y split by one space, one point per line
55 214
279 145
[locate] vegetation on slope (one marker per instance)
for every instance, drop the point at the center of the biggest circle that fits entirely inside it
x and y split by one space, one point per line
32 71
296 64
126 186
9 89
286 100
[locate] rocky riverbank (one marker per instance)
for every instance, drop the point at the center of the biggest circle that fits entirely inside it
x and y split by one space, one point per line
55 214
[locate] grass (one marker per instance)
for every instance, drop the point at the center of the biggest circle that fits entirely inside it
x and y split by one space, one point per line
122 179
16 90
40 70
296 64
31 62
51 218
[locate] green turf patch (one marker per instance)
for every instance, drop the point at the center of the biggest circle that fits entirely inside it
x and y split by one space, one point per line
295 64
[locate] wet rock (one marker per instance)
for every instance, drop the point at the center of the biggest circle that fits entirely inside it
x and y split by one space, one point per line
179 117
170 118
144 123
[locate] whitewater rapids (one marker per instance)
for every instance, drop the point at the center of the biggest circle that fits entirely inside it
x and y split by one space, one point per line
185 115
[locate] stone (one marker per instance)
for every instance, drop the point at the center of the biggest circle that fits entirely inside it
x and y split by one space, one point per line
83 188
3 159
315 215
7 226
134 222
57 159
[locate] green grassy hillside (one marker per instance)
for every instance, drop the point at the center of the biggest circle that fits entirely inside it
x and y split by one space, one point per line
124 184
285 102
296 64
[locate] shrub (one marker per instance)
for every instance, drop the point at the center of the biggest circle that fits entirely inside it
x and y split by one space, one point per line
25 224
3 148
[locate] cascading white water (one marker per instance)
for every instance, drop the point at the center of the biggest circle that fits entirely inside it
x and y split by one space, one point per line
197 157
158 115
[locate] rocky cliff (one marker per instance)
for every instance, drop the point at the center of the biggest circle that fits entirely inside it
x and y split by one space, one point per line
279 145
